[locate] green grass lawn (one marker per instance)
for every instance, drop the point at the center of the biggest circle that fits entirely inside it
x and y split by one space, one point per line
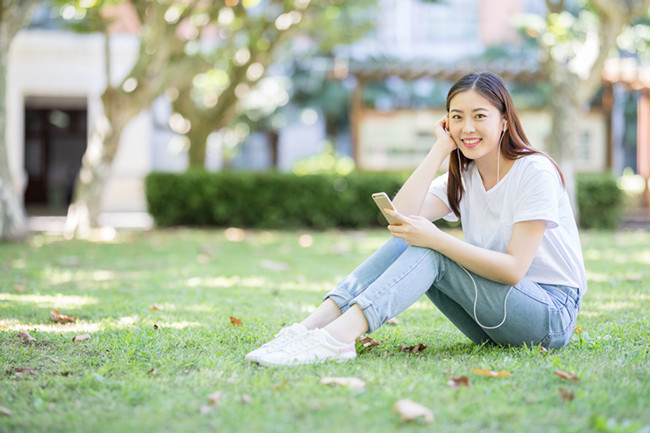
157 306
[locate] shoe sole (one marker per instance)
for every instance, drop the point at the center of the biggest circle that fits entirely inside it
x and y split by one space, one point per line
293 364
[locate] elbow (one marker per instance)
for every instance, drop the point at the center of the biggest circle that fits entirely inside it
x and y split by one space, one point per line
513 277
514 272
513 281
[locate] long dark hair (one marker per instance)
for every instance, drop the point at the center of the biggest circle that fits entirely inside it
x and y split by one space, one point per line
514 145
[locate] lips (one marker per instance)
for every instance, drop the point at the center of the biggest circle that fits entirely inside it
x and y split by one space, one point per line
471 142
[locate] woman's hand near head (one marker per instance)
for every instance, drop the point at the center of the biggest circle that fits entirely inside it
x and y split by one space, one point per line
444 140
411 196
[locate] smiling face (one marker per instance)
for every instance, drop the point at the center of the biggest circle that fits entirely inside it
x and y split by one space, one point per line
475 125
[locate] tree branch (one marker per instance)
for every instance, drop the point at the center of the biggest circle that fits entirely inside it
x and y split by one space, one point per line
554 7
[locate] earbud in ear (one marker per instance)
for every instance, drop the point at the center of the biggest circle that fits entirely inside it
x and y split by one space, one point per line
505 125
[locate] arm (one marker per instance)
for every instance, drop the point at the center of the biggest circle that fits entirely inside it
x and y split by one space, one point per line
411 197
508 267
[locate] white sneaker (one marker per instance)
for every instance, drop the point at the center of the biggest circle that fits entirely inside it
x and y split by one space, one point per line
314 347
281 338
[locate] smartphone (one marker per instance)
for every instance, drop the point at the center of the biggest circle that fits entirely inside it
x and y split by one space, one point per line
382 201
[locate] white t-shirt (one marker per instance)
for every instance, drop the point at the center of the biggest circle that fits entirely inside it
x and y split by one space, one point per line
531 190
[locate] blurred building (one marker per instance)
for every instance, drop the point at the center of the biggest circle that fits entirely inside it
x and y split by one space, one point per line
56 78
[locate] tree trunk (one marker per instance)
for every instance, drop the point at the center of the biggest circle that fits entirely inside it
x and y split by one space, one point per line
198 140
97 162
200 127
565 115
274 147
13 221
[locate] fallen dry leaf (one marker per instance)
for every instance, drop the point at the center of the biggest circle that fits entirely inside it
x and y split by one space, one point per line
413 349
25 336
366 343
567 376
3 324
4 411
203 259
156 327
566 395
488 372
246 399
281 386
21 371
81 337
274 266
155 307
392 321
19 289
410 410
234 234
457 382
350 382
215 397
235 321
61 318
543 350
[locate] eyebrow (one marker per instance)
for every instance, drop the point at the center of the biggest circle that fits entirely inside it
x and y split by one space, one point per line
473 111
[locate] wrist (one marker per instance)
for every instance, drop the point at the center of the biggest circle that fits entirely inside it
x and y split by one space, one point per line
439 151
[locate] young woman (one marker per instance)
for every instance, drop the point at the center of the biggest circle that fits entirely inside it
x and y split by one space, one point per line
516 279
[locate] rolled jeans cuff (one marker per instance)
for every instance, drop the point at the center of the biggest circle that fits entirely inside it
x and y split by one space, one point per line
367 308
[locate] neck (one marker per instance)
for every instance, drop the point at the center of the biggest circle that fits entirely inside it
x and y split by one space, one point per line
489 174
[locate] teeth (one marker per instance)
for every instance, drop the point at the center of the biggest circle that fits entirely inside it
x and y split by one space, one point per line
471 141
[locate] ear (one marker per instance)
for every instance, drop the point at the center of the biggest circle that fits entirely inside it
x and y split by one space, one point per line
505 125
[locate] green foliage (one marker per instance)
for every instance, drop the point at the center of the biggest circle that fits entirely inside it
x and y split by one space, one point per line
328 162
321 200
267 200
600 201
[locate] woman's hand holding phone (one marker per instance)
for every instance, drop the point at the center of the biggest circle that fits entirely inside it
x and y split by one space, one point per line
415 230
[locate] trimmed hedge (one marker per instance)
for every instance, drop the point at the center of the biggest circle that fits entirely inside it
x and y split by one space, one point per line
268 199
281 200
600 200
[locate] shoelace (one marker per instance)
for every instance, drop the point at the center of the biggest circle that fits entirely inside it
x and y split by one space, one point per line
280 338
302 344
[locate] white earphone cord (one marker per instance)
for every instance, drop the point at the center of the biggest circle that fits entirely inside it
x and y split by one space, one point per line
505 311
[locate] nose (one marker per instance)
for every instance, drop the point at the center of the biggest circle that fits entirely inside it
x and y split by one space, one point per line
468 126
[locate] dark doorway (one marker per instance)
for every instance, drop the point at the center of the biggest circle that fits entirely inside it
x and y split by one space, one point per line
55 140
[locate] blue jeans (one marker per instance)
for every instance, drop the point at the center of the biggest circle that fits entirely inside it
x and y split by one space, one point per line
397 275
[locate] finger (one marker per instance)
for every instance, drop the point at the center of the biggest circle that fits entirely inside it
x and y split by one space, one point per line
396 214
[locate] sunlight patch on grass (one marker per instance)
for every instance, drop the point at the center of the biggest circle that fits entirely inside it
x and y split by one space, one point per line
179 325
200 308
304 286
18 264
227 282
58 301
614 302
307 308
102 275
614 305
53 327
642 257
597 277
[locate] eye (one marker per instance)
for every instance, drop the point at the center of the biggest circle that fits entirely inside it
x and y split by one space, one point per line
455 116
480 116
